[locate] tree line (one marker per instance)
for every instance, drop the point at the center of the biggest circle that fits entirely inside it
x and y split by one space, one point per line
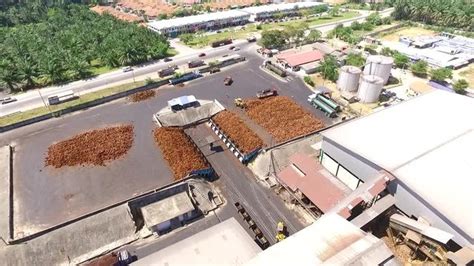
353 34
42 45
445 13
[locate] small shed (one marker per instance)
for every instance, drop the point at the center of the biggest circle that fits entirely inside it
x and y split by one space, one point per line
170 212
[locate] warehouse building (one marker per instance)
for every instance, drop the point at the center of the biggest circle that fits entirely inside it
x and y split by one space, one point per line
426 145
226 243
218 20
444 50
331 240
206 22
263 12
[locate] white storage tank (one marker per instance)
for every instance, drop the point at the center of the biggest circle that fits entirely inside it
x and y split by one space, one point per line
380 66
348 78
370 89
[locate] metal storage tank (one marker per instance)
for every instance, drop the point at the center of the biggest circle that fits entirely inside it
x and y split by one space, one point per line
370 89
379 65
348 78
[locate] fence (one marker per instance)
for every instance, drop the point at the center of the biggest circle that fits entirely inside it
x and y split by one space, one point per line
82 106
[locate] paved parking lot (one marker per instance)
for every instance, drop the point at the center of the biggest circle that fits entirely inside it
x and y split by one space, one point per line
44 197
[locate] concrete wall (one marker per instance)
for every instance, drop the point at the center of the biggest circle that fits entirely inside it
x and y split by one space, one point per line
5 195
355 164
411 204
82 106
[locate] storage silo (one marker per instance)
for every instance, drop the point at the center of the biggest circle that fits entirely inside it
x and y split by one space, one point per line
348 78
379 65
370 89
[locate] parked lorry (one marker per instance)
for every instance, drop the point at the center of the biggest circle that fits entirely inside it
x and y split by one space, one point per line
221 43
62 97
267 93
166 72
185 77
276 69
195 63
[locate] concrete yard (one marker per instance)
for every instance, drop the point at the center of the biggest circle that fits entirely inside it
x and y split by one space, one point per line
44 197
76 242
238 184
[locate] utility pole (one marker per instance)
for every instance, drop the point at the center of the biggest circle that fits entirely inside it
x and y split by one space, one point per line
42 99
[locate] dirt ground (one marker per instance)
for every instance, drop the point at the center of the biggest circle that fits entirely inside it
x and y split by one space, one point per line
466 73
221 4
408 32
354 108
152 8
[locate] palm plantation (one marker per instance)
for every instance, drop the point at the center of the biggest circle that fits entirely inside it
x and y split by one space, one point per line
446 13
42 45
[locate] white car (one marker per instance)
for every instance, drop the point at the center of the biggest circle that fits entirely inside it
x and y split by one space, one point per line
8 100
236 49
127 69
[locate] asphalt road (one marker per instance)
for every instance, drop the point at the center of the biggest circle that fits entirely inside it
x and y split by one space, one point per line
44 197
236 183
33 99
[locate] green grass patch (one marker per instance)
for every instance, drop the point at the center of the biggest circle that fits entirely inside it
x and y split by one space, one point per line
171 52
202 40
314 21
97 70
17 117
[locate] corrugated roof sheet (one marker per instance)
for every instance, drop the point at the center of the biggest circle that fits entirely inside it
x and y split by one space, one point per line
295 59
196 19
429 150
330 240
316 183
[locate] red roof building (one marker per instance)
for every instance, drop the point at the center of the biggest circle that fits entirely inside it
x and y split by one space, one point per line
295 59
306 175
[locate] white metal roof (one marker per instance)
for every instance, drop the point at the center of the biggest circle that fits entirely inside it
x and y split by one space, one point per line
280 7
196 19
226 243
182 100
431 55
427 143
331 240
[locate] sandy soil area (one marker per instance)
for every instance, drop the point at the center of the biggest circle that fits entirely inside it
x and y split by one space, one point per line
407 32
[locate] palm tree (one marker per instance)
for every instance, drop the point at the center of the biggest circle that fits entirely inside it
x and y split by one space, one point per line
27 72
8 75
